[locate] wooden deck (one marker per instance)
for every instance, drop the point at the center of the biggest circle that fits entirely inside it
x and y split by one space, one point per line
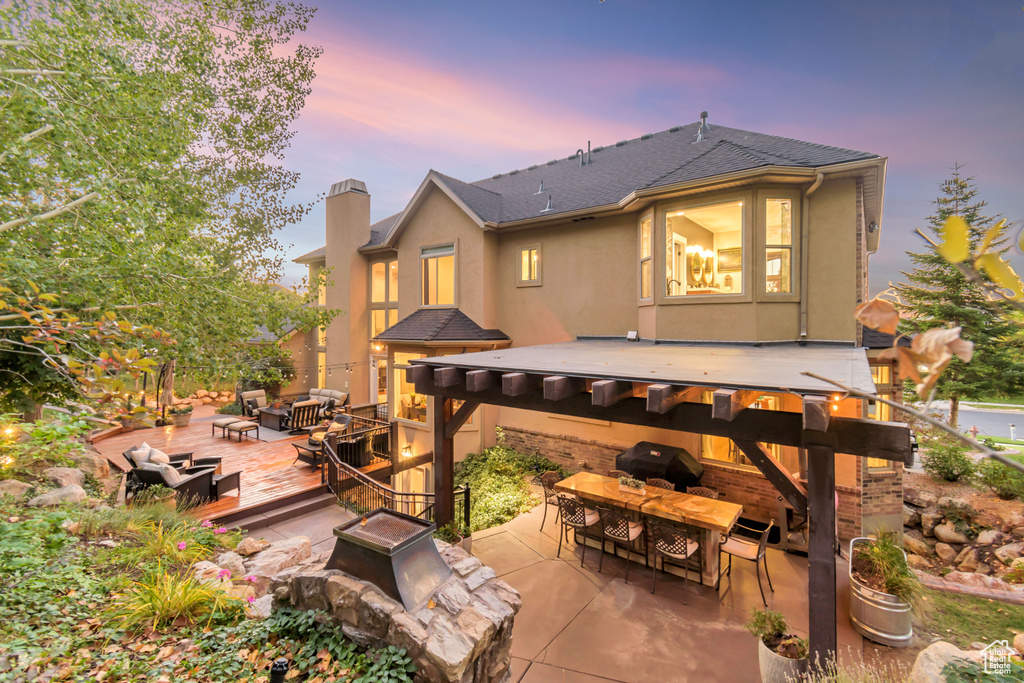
267 471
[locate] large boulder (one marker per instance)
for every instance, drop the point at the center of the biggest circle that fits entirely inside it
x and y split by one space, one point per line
15 488
92 463
934 658
278 556
916 545
65 476
1010 519
929 520
232 562
72 493
990 537
1008 553
251 546
921 499
947 533
911 517
945 552
970 561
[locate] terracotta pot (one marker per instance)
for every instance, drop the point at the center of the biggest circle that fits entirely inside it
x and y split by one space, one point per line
778 669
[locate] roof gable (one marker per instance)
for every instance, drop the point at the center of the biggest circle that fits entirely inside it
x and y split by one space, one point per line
439 325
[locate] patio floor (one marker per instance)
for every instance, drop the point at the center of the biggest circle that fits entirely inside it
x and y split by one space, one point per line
579 626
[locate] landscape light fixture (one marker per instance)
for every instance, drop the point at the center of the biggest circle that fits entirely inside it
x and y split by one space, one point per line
633 336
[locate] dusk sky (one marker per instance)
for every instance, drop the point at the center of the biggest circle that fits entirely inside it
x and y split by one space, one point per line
472 89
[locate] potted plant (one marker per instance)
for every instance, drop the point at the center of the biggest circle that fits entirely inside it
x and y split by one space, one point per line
180 414
883 589
782 656
129 416
631 485
454 534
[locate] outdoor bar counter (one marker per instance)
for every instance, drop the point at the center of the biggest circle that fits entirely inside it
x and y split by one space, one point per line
712 517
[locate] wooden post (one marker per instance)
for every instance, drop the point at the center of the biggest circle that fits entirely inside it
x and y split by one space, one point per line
821 493
396 450
444 463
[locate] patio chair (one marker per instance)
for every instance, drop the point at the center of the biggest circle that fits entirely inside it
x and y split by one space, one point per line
748 549
252 401
195 486
139 455
341 424
303 415
661 484
577 517
222 483
702 491
547 483
615 474
676 544
620 530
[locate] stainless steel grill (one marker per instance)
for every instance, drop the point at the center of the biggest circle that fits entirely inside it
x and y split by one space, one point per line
385 530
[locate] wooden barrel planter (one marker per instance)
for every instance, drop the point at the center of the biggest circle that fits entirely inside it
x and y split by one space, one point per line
878 616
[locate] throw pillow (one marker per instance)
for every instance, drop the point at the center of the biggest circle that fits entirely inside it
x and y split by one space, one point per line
158 457
171 476
336 427
141 453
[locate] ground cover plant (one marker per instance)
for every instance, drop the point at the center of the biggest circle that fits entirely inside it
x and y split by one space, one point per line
964 619
107 595
497 478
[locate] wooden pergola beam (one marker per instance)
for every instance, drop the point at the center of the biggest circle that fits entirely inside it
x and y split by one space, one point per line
480 380
444 461
460 418
608 392
448 377
728 403
662 398
817 413
520 383
774 472
559 388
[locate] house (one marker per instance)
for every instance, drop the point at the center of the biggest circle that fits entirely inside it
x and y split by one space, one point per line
701 234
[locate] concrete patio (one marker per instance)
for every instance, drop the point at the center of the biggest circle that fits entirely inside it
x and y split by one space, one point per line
577 625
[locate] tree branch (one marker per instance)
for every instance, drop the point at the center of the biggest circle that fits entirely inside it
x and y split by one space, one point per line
91 309
50 214
28 138
981 448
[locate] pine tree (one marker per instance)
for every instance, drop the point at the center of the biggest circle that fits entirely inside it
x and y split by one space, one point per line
936 294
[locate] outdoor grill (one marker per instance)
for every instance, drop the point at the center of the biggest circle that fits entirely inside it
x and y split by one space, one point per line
394 551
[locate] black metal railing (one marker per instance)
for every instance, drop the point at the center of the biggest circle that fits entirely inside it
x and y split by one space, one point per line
367 442
371 411
361 493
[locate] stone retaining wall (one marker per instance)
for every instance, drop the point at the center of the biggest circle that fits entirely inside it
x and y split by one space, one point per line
463 635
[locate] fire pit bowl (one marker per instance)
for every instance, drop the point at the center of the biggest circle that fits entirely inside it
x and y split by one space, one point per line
393 551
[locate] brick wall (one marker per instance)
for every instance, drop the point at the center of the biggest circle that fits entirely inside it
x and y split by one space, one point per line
758 497
564 449
849 512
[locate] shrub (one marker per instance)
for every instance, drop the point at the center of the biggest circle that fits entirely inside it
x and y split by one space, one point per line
947 460
770 626
1005 482
230 409
163 598
28 448
181 409
965 671
960 515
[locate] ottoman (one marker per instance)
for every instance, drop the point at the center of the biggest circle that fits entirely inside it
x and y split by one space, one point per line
222 424
241 428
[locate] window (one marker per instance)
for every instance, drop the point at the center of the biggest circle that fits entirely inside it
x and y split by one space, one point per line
408 404
528 274
646 264
438 275
722 449
383 296
882 375
321 370
778 249
703 250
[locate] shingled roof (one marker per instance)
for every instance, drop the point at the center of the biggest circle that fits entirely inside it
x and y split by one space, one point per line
873 339
439 325
614 172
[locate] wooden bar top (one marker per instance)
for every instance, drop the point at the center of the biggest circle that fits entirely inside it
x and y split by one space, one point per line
706 513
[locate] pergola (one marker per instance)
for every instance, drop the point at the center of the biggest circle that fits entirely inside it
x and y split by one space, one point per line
659 385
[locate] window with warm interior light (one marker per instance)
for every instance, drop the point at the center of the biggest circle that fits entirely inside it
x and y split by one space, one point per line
438 281
408 404
383 296
876 410
704 250
778 250
321 370
646 261
529 266
722 449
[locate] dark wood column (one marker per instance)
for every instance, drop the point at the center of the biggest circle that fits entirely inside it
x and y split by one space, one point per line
444 462
821 495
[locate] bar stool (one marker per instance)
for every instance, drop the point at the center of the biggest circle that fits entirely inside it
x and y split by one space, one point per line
680 545
575 516
620 530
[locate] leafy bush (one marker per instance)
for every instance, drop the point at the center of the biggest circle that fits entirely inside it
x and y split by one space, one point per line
1005 482
230 409
883 559
498 488
28 448
961 516
181 409
948 460
266 367
965 671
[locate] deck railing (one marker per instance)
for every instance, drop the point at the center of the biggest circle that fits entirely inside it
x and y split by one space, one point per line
361 493
371 411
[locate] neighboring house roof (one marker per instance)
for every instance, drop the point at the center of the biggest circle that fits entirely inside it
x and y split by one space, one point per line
873 339
439 325
615 172
315 255
264 335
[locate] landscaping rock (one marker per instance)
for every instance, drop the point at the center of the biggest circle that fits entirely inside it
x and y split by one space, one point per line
970 562
933 659
13 487
375 612
343 594
448 648
202 393
107 543
929 520
72 493
406 631
453 596
251 546
232 562
214 394
945 502
918 561
1018 532
1018 643
65 476
92 463
916 546
260 607
990 537
921 499
1010 519
206 571
1008 553
945 552
206 401
278 556
911 517
947 533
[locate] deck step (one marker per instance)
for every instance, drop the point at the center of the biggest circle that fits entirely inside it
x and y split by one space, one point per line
279 510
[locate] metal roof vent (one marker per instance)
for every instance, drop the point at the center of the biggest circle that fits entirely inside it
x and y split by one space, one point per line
541 190
704 128
549 207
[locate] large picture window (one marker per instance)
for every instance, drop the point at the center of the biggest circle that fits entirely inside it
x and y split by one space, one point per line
383 296
778 250
704 250
438 275
646 262
408 404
